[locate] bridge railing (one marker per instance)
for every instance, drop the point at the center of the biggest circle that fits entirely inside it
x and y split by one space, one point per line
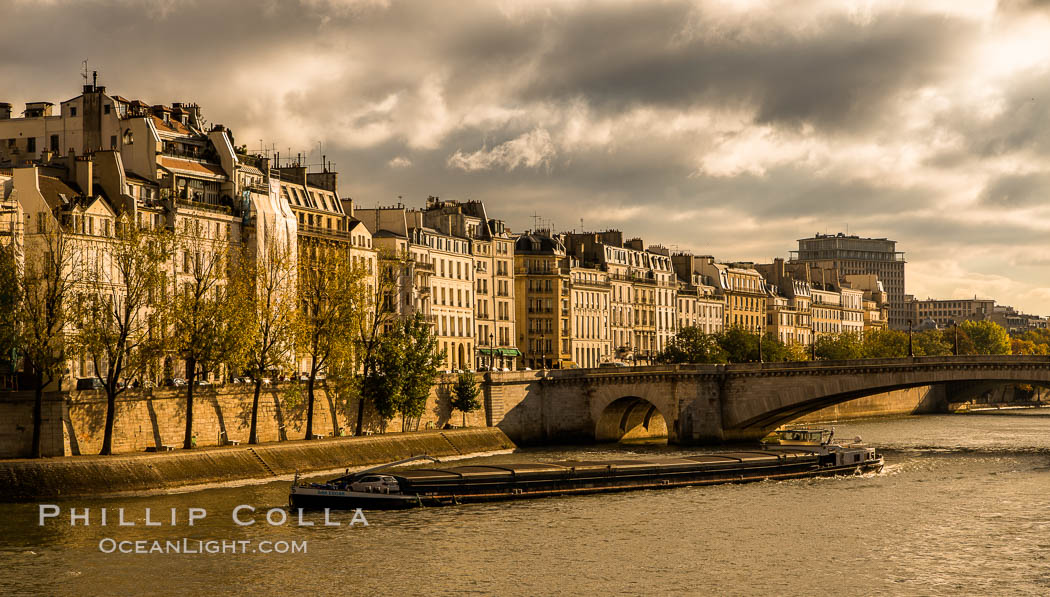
707 368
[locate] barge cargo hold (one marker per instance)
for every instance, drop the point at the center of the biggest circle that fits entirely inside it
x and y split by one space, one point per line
462 484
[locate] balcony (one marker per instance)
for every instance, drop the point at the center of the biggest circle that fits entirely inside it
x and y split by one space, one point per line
322 231
221 209
262 189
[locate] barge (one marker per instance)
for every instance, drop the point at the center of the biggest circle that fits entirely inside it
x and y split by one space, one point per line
798 452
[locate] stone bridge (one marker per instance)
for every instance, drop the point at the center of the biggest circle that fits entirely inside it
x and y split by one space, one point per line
721 403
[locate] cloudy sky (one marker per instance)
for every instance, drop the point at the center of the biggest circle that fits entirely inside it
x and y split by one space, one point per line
724 127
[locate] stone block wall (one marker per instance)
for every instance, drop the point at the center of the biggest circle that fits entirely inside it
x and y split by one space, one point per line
74 422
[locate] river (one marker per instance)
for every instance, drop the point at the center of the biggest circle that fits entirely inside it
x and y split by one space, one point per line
962 508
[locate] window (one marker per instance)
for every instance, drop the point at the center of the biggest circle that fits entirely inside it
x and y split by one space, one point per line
54 143
112 141
31 145
106 109
73 111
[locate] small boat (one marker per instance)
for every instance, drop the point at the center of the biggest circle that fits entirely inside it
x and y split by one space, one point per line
796 452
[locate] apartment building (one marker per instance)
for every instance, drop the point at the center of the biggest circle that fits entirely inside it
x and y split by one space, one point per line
589 307
493 251
542 288
852 255
416 254
944 312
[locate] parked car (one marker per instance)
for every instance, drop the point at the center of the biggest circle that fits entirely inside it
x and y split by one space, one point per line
201 382
376 484
90 383
174 381
611 365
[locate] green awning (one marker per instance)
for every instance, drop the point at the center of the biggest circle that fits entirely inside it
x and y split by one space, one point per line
487 350
510 352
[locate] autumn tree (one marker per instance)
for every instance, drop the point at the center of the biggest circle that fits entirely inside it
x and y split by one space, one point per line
114 328
692 345
209 313
878 344
332 299
272 304
932 343
381 312
739 344
987 337
10 301
840 346
50 276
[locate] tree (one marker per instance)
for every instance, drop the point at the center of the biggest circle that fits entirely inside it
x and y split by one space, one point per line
209 314
692 345
881 344
10 302
272 308
932 343
331 299
112 322
466 394
422 359
381 312
988 337
403 369
51 271
739 345
773 350
840 346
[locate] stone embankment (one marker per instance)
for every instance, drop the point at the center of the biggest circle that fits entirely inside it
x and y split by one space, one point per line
79 476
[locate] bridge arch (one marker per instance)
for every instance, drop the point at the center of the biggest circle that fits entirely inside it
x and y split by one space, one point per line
630 417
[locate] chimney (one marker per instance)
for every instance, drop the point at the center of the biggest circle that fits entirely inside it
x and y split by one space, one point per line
325 180
5 111
83 171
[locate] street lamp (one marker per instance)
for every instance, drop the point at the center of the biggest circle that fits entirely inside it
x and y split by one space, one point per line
760 348
911 352
492 354
955 349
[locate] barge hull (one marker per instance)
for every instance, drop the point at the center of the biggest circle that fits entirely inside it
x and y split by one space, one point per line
466 492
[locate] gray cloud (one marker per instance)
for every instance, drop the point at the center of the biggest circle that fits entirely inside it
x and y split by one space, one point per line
688 123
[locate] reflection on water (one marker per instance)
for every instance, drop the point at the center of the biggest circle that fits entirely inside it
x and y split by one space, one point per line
963 507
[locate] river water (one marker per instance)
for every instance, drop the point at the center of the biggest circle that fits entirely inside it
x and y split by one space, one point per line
963 508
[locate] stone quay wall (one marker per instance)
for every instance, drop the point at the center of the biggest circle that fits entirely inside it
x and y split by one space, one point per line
56 478
74 422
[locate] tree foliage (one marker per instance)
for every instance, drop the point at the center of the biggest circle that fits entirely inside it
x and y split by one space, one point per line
466 394
734 345
404 368
332 298
272 304
113 322
692 345
840 346
10 297
51 272
987 337
209 310
380 313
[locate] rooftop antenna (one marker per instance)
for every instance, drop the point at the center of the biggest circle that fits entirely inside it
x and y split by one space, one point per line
84 71
535 221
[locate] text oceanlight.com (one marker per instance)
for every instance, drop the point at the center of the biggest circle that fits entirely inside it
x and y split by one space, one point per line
200 546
